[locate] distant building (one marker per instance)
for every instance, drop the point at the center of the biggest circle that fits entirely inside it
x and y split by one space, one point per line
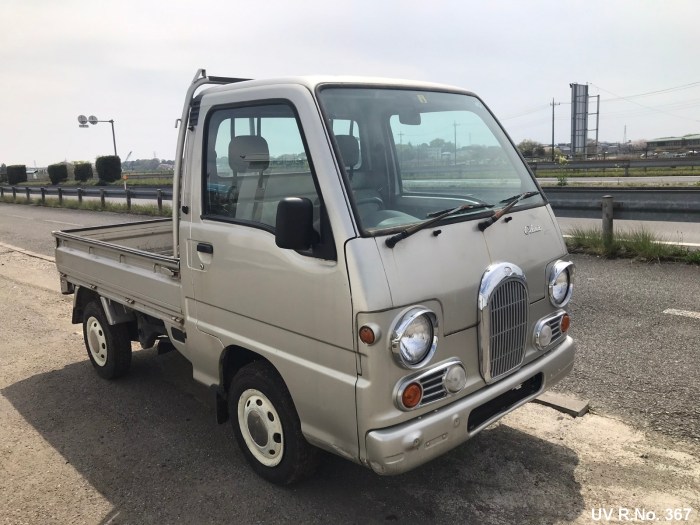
677 143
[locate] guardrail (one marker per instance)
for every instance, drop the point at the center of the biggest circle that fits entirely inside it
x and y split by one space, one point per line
157 194
644 204
626 164
650 204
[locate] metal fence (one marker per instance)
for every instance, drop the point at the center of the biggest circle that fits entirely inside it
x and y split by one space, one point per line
626 164
644 204
651 204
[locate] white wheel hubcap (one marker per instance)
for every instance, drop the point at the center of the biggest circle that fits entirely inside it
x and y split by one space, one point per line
97 342
261 427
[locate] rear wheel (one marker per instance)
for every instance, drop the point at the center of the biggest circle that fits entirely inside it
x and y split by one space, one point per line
108 346
267 427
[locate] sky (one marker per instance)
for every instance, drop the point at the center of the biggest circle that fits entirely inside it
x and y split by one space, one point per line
132 61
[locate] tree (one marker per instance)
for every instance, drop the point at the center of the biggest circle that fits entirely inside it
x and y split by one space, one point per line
83 171
531 148
16 174
58 172
109 168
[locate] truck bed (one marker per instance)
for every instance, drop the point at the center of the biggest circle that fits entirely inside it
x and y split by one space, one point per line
132 264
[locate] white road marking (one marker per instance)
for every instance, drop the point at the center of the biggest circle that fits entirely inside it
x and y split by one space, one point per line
683 313
44 220
61 222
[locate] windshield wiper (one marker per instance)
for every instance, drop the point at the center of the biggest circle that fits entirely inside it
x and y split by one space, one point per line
477 204
512 201
520 196
391 241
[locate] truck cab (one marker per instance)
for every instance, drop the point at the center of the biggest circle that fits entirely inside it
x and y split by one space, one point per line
365 266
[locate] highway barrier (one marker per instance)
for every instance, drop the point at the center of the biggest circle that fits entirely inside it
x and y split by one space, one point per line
646 204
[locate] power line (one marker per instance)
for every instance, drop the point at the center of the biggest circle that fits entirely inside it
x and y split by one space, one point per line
642 105
648 93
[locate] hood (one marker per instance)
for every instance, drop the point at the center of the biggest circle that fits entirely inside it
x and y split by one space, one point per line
448 267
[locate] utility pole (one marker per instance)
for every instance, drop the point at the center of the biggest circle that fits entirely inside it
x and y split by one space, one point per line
553 104
455 128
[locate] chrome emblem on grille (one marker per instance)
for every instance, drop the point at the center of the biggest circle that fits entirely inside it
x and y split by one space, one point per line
532 228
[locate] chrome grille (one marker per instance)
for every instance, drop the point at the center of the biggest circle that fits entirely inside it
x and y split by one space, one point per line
433 387
503 306
508 327
432 381
555 325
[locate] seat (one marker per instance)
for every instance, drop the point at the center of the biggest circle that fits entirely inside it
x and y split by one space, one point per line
367 197
248 153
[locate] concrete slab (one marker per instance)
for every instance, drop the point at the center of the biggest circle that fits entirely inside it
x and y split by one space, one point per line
564 403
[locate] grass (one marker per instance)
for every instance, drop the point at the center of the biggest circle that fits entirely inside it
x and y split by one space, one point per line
93 205
637 244
620 172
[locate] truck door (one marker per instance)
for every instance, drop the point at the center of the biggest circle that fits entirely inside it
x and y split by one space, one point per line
293 308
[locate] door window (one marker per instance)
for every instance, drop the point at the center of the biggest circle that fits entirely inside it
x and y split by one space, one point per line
255 157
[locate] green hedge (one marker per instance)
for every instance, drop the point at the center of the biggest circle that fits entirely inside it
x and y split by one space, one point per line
16 174
58 173
109 168
83 171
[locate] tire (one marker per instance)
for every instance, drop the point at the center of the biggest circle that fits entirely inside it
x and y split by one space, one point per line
267 427
108 347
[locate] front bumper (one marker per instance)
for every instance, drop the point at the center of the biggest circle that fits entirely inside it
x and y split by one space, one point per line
403 447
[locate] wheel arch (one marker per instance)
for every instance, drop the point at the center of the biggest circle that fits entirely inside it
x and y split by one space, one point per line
81 298
233 358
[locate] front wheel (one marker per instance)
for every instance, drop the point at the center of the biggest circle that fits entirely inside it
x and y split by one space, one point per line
108 346
267 427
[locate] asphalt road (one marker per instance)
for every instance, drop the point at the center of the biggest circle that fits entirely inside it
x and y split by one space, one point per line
146 449
30 227
634 360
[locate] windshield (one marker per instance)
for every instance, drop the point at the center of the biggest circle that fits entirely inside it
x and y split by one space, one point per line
410 155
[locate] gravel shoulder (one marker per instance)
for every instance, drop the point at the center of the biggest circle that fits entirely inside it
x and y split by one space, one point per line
146 449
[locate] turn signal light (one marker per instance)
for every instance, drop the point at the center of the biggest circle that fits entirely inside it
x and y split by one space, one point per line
367 335
565 323
412 395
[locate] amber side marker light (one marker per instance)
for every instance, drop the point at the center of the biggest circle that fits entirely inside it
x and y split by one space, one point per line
412 395
367 335
565 323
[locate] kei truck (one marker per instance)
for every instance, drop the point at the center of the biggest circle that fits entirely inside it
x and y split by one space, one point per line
364 266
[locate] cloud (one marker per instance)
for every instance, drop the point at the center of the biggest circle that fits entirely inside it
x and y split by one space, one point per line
132 60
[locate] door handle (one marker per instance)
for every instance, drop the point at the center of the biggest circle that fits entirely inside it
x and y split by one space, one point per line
205 248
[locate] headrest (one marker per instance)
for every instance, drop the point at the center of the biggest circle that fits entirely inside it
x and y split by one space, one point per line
248 152
349 149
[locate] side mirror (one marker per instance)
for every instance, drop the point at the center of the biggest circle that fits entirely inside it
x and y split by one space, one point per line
294 229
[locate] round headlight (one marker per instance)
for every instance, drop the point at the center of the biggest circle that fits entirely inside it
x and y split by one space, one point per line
561 283
415 338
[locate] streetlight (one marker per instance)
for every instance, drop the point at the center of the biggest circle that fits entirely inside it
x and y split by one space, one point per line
92 119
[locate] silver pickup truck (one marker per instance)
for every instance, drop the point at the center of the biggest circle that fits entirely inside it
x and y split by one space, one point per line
364 266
